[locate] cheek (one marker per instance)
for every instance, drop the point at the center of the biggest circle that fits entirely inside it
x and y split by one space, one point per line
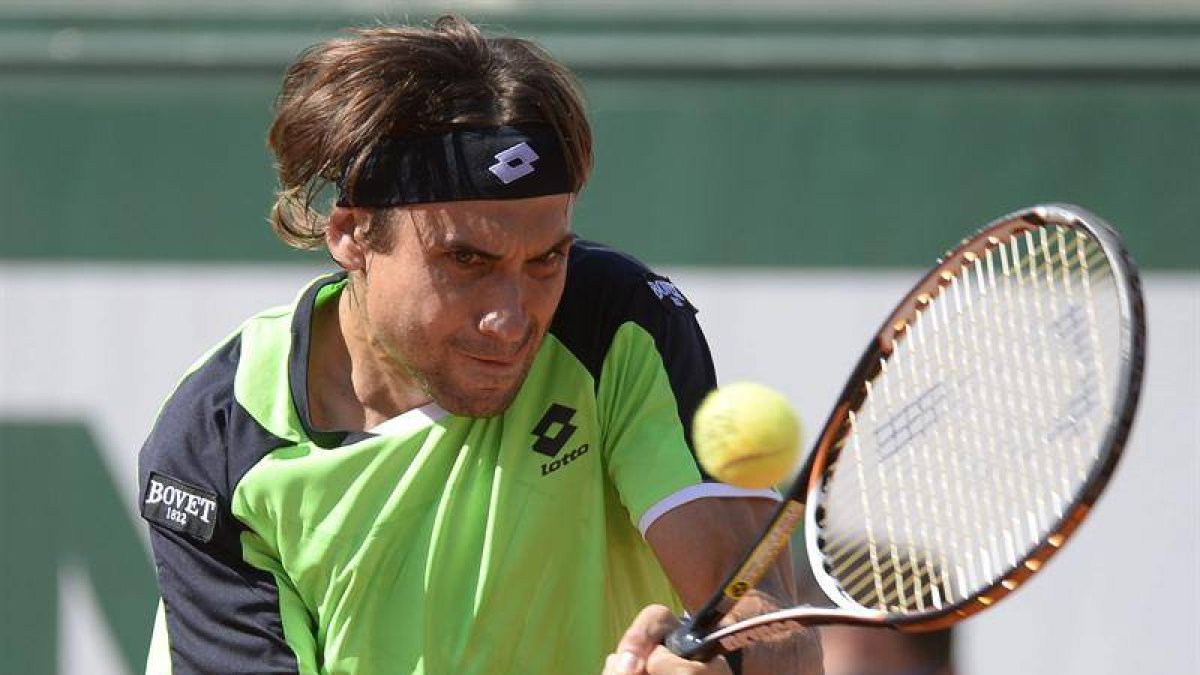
413 311
393 297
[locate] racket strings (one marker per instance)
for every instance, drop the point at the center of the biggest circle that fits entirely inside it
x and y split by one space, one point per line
1056 366
979 429
968 304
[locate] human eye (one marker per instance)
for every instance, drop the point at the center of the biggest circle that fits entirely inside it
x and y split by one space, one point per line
466 257
549 261
550 257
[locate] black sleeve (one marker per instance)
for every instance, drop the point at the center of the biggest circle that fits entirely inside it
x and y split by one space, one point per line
222 614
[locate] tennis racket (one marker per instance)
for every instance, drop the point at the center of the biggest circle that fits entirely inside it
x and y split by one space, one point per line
975 434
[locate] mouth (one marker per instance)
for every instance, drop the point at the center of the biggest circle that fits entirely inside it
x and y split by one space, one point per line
494 362
498 363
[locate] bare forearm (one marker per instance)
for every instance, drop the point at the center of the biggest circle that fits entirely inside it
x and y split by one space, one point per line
798 653
700 542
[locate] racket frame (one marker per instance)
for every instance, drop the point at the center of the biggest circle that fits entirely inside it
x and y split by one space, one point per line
700 639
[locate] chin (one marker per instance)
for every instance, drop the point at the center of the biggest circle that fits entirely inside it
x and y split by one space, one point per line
477 404
474 393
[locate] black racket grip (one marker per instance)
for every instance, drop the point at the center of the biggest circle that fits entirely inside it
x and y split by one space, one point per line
683 643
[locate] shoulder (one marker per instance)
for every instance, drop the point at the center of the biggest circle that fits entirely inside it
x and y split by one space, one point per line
181 467
607 289
599 272
202 400
204 440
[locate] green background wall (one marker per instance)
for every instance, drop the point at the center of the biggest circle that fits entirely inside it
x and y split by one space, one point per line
783 141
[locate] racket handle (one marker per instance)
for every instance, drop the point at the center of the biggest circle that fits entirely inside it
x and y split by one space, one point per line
683 643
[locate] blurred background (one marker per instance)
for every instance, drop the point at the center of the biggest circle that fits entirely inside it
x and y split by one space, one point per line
792 165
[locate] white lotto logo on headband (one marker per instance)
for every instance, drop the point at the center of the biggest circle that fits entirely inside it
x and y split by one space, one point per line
514 163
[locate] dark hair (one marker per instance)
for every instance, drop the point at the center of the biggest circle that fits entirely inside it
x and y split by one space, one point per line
342 97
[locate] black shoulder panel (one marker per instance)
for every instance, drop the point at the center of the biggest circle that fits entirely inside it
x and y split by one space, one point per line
606 289
222 613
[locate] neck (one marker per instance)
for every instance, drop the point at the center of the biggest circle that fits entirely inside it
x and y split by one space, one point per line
352 383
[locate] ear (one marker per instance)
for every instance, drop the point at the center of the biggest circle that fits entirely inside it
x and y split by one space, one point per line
343 238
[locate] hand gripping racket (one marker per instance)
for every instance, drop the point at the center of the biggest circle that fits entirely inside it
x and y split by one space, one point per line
973 437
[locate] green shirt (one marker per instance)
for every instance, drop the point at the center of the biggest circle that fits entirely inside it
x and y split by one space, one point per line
434 543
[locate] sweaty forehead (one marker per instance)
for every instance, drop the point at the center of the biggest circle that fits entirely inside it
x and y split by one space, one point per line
515 222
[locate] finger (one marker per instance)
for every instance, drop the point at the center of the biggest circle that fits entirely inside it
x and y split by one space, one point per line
647 631
624 663
663 662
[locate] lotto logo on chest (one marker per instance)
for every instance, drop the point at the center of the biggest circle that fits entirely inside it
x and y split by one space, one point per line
553 434
180 506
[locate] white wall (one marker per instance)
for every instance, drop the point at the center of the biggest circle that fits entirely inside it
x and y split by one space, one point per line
1122 598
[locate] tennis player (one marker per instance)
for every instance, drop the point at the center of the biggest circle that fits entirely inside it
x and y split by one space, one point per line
466 451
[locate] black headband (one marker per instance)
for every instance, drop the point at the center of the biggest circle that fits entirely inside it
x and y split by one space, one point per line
491 163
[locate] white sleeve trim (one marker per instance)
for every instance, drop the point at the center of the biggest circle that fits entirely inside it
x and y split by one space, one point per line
693 492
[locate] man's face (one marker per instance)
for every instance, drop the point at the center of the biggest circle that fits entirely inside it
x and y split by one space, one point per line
464 297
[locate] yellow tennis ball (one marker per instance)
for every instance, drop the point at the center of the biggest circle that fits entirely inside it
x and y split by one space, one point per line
747 435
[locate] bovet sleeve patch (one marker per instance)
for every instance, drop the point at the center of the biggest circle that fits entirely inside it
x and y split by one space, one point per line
179 506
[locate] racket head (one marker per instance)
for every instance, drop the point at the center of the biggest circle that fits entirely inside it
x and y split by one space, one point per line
905 568
1116 331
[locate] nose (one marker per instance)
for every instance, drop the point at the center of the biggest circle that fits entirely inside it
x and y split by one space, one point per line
505 318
